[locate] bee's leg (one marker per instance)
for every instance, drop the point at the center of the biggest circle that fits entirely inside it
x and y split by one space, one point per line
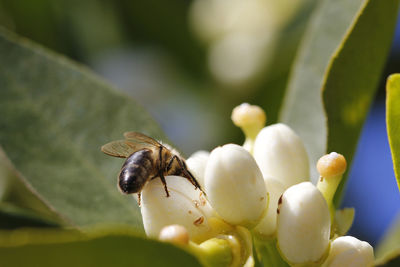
169 166
164 183
161 171
139 198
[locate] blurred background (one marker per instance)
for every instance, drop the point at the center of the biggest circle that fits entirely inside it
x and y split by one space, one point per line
190 62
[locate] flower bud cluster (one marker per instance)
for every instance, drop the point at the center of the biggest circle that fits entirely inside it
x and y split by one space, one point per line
260 188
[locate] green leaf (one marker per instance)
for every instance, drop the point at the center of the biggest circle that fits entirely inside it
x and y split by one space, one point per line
100 248
336 74
303 108
13 191
55 117
12 217
343 220
353 76
175 34
392 121
270 92
389 248
392 261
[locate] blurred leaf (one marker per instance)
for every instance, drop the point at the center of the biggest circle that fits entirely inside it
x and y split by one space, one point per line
270 92
392 261
100 248
12 217
391 258
78 23
38 20
342 55
389 247
143 20
56 115
392 121
13 190
44 20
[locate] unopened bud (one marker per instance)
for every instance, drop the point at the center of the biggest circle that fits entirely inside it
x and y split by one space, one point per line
175 233
281 154
267 225
303 226
251 119
185 206
235 186
348 251
197 163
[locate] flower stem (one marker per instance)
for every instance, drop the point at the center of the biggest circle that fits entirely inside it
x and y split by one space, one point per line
268 252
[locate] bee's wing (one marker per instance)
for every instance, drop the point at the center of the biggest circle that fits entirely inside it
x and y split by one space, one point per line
121 148
141 138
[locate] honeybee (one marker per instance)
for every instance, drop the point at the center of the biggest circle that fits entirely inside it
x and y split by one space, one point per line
146 159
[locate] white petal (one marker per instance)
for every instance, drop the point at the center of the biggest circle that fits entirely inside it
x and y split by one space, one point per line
303 225
196 164
235 186
185 206
349 251
267 225
281 154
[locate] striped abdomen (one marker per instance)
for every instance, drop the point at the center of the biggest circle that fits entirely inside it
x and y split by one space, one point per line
136 171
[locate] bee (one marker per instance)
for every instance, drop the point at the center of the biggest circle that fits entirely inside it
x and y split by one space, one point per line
146 159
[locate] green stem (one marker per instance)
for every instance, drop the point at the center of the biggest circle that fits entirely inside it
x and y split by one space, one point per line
328 186
268 252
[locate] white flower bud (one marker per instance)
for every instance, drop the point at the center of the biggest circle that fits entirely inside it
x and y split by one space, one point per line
267 225
250 118
349 251
196 164
235 186
303 225
185 206
281 154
